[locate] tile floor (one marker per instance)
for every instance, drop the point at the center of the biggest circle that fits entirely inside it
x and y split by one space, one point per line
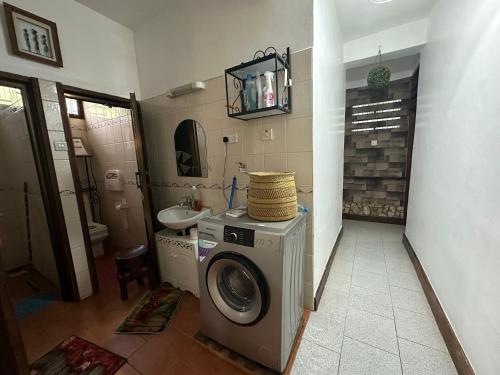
175 351
373 317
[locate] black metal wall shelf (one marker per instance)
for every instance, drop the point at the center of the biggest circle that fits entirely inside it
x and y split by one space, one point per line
236 77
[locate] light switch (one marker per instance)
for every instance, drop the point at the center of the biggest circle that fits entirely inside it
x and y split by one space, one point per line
60 146
267 135
374 142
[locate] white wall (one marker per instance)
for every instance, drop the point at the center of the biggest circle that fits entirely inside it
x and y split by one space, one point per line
328 132
403 40
454 206
197 40
98 53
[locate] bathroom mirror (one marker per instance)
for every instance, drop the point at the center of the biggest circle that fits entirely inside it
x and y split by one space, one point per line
191 149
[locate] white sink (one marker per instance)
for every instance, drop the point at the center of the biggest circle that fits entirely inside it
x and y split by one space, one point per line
178 217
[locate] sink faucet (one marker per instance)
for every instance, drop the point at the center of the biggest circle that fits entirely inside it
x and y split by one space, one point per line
186 202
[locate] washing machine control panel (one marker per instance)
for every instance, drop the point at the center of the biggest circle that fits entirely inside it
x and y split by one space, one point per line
240 236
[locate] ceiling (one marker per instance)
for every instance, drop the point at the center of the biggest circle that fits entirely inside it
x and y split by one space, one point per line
130 13
359 18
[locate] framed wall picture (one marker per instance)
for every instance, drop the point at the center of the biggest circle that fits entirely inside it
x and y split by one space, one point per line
32 37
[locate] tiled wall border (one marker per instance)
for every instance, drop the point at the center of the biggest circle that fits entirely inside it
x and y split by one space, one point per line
213 186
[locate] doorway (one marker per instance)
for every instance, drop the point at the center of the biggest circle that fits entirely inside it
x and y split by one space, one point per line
379 126
27 254
111 170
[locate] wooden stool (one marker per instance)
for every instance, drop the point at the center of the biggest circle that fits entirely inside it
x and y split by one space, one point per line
133 264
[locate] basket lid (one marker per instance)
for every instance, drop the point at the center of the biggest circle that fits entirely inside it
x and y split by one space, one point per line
271 174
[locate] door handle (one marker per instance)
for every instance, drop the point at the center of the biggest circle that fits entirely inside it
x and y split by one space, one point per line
138 180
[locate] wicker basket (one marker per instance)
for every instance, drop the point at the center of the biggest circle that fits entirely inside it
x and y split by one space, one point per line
272 196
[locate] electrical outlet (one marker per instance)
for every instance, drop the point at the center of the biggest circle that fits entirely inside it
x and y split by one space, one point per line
267 135
232 138
374 142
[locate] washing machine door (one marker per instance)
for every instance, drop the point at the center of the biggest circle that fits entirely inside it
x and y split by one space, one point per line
238 288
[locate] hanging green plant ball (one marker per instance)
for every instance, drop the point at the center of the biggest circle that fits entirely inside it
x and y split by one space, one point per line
379 77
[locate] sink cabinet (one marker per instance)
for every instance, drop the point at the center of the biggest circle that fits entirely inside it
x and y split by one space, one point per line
177 258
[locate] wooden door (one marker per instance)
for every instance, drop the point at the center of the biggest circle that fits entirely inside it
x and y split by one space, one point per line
143 178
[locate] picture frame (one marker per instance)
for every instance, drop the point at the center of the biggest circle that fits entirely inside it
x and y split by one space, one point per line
32 37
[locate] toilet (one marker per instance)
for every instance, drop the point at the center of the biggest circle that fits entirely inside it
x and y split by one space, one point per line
98 233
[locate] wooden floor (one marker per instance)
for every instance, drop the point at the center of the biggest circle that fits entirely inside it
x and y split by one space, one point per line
175 351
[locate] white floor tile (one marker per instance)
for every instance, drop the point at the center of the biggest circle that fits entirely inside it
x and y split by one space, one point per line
345 253
372 281
401 265
371 301
326 326
315 359
369 242
342 267
370 253
371 329
338 282
361 359
419 328
410 300
421 360
369 265
404 280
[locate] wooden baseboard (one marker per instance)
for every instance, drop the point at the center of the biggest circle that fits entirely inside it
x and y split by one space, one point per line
322 283
456 351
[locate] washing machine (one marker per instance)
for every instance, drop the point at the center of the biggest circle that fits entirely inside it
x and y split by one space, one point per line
251 277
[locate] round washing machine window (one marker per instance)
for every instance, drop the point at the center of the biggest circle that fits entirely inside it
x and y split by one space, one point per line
237 288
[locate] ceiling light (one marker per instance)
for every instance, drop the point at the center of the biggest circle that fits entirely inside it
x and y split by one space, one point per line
380 1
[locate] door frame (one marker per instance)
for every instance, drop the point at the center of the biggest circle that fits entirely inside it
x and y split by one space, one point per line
142 177
14 358
44 163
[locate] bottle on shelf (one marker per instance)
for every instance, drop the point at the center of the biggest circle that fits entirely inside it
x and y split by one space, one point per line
268 90
250 93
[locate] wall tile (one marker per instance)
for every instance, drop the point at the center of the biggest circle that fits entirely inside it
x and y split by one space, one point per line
299 134
252 143
302 99
64 176
70 208
278 126
129 151
75 234
301 162
79 258
308 296
302 65
53 117
308 269
84 284
275 162
48 90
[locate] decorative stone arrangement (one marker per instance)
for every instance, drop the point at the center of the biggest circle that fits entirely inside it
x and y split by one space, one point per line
375 150
373 208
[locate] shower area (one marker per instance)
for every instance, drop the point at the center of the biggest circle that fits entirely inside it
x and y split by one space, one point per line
26 252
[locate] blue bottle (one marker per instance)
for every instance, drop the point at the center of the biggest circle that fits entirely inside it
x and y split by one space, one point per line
250 93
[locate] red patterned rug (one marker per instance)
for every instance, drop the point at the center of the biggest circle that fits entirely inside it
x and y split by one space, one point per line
77 356
153 311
